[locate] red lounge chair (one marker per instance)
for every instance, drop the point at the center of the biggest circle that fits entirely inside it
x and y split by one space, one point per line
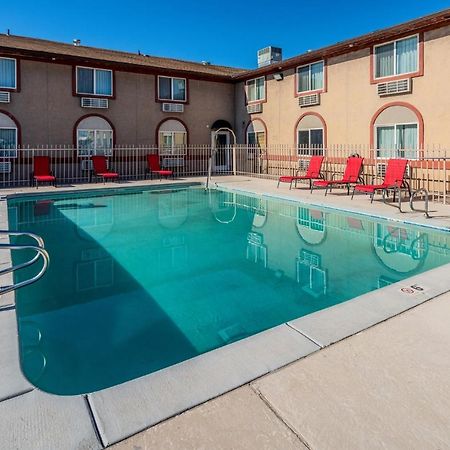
41 171
100 169
153 167
393 178
313 173
352 175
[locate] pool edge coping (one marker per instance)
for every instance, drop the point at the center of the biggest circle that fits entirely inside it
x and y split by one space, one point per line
100 429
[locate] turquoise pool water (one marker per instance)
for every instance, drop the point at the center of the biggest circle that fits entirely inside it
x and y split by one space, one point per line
143 279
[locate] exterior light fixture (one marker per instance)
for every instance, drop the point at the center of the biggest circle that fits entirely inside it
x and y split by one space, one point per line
278 76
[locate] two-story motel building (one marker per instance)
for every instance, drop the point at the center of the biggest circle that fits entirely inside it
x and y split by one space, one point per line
386 89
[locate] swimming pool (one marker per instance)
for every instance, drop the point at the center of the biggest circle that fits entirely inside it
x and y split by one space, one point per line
141 279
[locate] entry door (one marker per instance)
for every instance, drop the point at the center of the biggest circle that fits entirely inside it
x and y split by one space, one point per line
222 159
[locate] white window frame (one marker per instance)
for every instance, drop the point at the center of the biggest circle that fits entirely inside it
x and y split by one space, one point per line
172 99
93 151
166 150
256 133
309 139
95 69
395 74
395 125
309 90
15 74
249 102
14 155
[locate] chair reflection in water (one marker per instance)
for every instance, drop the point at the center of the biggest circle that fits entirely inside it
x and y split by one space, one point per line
310 275
256 249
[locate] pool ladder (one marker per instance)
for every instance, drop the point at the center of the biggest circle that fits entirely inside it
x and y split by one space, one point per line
39 251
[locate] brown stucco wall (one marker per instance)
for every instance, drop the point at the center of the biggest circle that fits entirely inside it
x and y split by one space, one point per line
47 111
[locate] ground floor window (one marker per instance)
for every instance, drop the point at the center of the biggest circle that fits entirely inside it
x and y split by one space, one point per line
397 140
94 137
396 131
172 137
310 133
256 134
310 141
8 137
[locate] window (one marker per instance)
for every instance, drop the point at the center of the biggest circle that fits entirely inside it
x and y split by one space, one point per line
94 81
172 137
8 137
8 73
94 137
310 135
310 141
396 58
397 140
310 77
256 90
173 89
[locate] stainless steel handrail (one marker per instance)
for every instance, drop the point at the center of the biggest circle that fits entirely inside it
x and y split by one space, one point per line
40 252
426 200
37 238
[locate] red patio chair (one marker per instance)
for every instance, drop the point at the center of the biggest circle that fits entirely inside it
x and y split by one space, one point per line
394 178
41 171
352 175
153 167
313 173
100 169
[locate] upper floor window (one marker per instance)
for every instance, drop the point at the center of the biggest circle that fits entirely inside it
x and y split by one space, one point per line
8 73
170 88
310 77
396 58
256 89
94 81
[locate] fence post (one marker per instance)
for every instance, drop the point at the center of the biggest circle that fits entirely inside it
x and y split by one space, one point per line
234 159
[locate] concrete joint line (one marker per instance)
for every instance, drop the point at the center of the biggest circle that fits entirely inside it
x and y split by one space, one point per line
19 394
92 414
306 336
278 416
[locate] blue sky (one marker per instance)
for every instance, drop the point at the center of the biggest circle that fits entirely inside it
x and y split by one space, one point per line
226 33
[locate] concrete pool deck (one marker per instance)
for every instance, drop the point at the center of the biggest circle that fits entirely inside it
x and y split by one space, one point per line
287 387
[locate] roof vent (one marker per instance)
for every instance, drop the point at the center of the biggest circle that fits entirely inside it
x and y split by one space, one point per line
76 42
269 55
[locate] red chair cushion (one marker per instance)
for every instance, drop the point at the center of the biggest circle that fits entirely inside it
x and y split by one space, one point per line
108 175
322 183
369 187
164 172
44 178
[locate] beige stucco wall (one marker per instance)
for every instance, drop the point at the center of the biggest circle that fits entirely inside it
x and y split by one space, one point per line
351 101
47 111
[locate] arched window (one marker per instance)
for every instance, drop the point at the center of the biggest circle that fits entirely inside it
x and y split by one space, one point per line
397 131
310 134
94 136
172 135
256 133
8 136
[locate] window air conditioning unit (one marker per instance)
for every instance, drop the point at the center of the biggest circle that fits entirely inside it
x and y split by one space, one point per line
395 87
5 97
86 164
254 109
5 167
309 100
173 162
89 102
303 164
173 107
381 170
